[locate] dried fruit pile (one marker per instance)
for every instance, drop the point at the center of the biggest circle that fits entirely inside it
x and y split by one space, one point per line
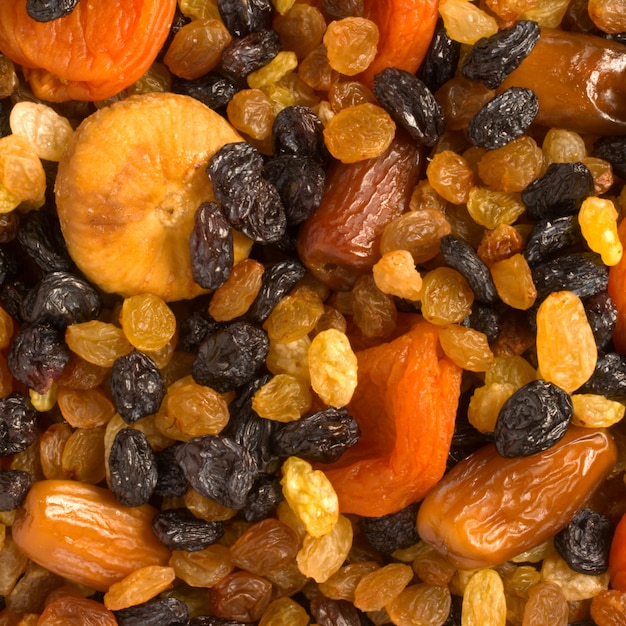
312 313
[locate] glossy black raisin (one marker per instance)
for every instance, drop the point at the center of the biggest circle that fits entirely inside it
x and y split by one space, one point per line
14 485
62 298
602 316
219 468
18 424
242 17
485 319
411 104
613 150
233 162
297 130
137 387
300 185
608 378
492 59
180 529
211 620
328 612
132 467
230 357
574 272
250 53
213 90
211 246
8 263
48 10
559 192
157 612
441 60
456 607
264 497
504 118
585 542
278 279
533 419
550 236
38 355
171 481
460 255
40 237
13 294
391 532
322 436
194 329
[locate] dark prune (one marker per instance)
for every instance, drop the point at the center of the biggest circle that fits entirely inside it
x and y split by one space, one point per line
602 316
48 10
608 378
132 467
213 90
194 329
441 60
585 542
559 192
250 53
219 468
571 272
171 481
534 418
297 130
300 185
411 104
328 612
460 255
38 355
14 485
391 532
613 150
211 246
230 357
137 387
264 497
323 436
242 17
550 236
277 280
180 529
157 612
40 237
484 319
492 59
62 298
18 424
504 118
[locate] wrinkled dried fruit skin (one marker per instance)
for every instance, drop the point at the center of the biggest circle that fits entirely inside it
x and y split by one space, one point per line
81 532
439 64
18 424
179 529
549 236
339 242
488 509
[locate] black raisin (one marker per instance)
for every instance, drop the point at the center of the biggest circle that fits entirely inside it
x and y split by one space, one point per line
40 237
242 17
492 59
277 280
608 378
460 255
195 328
8 263
14 485
391 532
559 192
171 481
585 542
230 357
504 118
485 319
613 150
211 246
441 60
38 355
18 424
297 130
157 612
48 10
218 468
264 497
550 236
14 293
323 436
250 53
137 387
456 608
300 185
132 467
180 529
602 316
411 104
213 90
533 419
329 612
211 620
338 9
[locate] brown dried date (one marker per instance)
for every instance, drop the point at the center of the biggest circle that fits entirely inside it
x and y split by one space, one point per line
488 509
339 242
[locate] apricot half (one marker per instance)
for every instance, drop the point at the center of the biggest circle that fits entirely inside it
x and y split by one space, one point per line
127 188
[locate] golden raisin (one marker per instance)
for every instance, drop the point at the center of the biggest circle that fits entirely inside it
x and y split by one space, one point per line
450 176
351 44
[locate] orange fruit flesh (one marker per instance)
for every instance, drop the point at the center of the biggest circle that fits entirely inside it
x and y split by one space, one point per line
128 186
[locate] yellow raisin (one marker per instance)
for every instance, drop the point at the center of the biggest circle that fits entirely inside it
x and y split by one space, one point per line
283 398
485 404
595 411
352 44
202 568
294 316
466 347
598 222
466 22
251 112
139 586
450 176
484 602
378 588
395 273
233 298
99 343
514 282
283 63
494 208
564 146
446 297
147 321
21 171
